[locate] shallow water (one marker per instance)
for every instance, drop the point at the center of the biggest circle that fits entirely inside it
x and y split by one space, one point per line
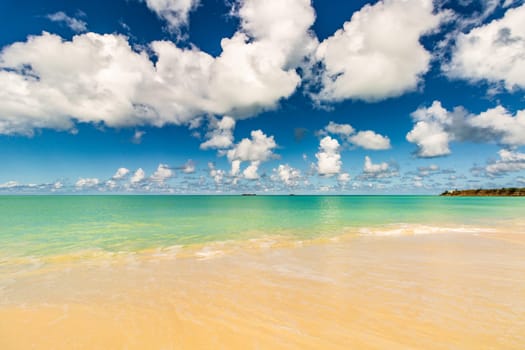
48 225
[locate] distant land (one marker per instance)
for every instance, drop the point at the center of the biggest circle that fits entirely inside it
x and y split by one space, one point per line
504 192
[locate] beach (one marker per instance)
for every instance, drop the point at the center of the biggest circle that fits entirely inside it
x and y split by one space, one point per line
394 285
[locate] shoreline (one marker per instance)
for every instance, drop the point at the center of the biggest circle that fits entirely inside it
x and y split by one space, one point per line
253 242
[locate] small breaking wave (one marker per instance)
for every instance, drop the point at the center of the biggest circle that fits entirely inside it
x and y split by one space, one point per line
418 229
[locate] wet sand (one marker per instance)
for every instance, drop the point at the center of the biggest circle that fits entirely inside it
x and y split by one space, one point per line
438 291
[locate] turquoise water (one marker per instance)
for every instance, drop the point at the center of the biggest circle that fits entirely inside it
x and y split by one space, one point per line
48 225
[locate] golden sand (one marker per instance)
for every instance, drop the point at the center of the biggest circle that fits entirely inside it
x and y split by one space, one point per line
418 292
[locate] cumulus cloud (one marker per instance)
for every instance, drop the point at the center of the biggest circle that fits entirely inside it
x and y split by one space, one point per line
498 123
86 183
339 129
37 91
377 171
378 54
162 173
120 174
189 167
286 174
370 140
75 24
435 127
494 52
344 178
137 176
366 139
250 173
221 134
235 167
429 132
369 167
174 12
509 161
257 149
216 174
328 158
283 24
121 87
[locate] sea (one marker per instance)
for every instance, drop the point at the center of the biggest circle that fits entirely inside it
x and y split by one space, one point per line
40 226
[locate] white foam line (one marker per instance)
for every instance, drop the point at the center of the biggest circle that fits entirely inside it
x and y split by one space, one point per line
208 253
408 229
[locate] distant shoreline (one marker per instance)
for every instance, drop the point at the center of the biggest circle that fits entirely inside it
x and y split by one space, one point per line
500 192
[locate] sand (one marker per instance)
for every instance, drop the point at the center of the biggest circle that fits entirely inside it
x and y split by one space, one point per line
438 291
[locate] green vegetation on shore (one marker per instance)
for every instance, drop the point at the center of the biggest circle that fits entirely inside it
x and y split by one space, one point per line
506 192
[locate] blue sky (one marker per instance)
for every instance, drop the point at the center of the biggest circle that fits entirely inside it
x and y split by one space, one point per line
276 96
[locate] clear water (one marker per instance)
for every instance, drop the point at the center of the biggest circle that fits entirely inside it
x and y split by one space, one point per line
50 225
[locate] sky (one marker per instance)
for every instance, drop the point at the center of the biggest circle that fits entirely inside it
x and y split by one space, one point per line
262 96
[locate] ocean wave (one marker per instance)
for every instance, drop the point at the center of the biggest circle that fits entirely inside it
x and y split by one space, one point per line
418 229
209 253
101 258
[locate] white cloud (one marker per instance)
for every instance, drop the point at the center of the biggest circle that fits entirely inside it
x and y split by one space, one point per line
508 3
429 131
138 176
84 183
339 129
288 175
424 171
370 140
369 167
120 174
216 174
174 12
436 127
494 52
236 167
378 54
189 167
366 139
344 177
9 184
111 184
120 87
509 161
75 24
328 158
509 129
162 173
221 134
257 149
250 173
38 92
137 136
377 171
283 25
15 186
